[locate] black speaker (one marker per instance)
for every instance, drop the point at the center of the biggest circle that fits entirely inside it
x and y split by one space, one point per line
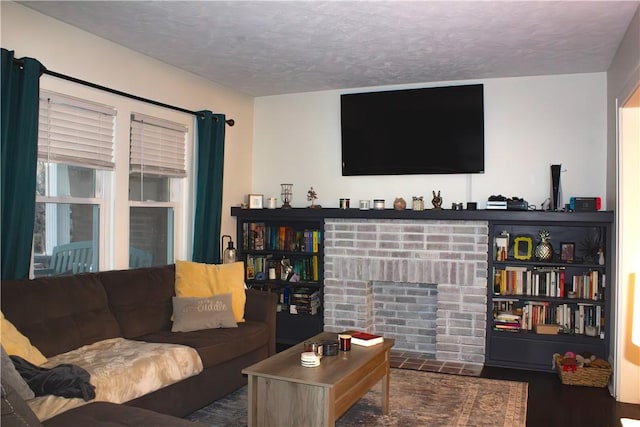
555 187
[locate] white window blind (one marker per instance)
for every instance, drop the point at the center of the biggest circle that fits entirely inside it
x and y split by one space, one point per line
75 131
157 146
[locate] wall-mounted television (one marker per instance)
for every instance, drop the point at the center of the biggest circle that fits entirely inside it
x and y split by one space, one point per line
437 130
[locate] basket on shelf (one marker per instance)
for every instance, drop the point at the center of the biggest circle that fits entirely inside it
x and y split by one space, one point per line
590 376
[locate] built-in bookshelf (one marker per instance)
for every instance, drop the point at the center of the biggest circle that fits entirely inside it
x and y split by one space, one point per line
539 305
570 290
285 256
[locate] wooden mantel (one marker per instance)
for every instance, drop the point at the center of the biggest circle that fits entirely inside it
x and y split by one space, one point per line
427 214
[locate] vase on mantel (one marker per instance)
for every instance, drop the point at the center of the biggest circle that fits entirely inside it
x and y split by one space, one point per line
544 250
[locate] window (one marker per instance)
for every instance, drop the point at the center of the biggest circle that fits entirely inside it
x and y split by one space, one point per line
156 169
112 189
75 148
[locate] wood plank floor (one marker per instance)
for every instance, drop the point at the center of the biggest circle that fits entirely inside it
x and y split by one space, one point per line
550 403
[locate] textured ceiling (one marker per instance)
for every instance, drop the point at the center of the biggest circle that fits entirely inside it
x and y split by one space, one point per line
266 47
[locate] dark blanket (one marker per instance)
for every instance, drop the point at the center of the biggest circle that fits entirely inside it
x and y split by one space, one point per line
64 380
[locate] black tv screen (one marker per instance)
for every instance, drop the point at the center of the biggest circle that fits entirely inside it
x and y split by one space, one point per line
436 130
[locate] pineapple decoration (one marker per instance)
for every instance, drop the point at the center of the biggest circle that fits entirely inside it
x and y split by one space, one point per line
544 250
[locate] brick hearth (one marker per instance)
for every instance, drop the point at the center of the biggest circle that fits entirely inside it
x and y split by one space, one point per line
363 257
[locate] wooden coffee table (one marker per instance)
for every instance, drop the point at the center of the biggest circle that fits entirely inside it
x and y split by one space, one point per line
284 393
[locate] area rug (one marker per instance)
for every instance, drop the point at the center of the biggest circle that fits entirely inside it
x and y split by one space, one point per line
416 399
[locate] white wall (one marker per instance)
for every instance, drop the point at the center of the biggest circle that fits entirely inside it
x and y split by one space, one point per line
68 50
530 123
628 353
623 78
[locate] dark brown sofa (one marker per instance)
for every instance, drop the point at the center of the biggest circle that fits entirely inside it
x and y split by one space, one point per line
16 413
62 313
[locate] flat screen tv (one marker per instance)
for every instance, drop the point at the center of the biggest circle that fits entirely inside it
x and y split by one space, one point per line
436 130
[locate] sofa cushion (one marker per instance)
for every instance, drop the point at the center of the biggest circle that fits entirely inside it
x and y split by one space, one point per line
10 375
59 313
216 346
17 344
194 279
140 298
122 370
106 414
192 314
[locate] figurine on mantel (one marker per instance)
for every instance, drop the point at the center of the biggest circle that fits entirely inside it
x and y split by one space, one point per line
312 196
436 201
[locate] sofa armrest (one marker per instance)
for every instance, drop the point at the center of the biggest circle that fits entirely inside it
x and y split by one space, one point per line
261 307
15 411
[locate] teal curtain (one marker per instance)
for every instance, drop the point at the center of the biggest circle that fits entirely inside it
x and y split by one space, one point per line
210 171
20 98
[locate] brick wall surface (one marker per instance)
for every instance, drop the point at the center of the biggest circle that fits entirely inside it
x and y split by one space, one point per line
383 276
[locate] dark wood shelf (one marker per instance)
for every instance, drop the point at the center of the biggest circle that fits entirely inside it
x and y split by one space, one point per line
290 328
282 283
524 350
555 300
275 252
502 216
552 264
531 335
527 349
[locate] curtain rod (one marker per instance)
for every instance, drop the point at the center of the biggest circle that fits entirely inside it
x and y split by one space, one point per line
230 122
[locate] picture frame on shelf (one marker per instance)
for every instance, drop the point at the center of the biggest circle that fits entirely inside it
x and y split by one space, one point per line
522 246
255 201
567 251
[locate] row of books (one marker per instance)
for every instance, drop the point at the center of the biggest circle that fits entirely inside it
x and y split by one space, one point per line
259 267
548 281
259 237
580 318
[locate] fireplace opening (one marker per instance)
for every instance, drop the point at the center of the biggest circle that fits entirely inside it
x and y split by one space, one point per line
406 312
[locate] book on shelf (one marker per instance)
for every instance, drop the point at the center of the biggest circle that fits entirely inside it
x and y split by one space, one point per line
515 327
256 236
250 267
506 321
301 309
365 339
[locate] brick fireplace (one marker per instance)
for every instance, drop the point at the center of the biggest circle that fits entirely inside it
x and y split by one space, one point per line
422 282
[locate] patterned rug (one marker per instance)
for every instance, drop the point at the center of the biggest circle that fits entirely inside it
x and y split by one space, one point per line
417 399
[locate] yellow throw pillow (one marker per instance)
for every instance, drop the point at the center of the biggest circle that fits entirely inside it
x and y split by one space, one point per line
15 343
194 279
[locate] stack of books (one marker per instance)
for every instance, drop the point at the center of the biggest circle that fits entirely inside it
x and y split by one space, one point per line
507 322
304 301
365 339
